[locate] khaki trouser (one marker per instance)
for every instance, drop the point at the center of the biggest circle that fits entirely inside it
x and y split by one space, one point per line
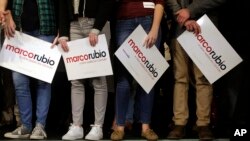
185 71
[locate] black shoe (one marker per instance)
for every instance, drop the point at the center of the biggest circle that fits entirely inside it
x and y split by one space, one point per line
178 132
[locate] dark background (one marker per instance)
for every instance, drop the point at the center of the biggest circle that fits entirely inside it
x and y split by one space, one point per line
230 108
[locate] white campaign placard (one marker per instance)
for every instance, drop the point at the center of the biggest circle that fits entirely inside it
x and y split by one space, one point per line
146 65
30 56
84 61
209 50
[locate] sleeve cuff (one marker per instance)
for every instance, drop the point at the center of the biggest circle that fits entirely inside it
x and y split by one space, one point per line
63 38
95 31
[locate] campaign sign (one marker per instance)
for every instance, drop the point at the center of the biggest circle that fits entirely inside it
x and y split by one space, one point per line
146 65
84 61
209 50
30 56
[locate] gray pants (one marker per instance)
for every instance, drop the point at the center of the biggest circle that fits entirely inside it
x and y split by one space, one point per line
80 29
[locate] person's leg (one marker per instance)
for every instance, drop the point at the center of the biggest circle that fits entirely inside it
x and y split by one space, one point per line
130 112
122 97
43 97
145 104
100 103
77 86
77 92
23 95
204 96
77 101
43 91
181 88
7 96
131 105
100 99
17 115
146 100
123 81
77 104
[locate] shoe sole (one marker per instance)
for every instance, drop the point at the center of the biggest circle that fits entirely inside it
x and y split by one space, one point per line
37 138
91 139
17 136
206 138
71 139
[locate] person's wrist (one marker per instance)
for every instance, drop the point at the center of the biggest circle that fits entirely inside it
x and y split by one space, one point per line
95 31
63 38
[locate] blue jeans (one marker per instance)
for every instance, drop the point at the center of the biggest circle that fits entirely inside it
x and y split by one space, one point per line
143 101
23 94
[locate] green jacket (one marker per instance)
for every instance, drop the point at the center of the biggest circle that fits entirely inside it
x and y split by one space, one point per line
47 16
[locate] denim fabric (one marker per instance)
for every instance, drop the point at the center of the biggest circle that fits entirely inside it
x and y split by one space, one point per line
23 94
131 105
143 101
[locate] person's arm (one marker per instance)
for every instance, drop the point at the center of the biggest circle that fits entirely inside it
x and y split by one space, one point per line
3 5
173 5
202 6
182 16
196 8
104 11
63 24
192 26
153 33
6 19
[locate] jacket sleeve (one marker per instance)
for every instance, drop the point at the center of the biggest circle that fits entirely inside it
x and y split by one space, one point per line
173 5
64 17
199 7
104 11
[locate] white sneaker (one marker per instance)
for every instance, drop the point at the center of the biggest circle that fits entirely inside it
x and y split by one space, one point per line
74 133
38 133
95 133
20 133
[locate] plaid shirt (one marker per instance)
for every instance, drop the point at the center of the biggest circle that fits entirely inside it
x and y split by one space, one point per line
46 12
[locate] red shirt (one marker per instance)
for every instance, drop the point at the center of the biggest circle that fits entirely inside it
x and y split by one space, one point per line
128 9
